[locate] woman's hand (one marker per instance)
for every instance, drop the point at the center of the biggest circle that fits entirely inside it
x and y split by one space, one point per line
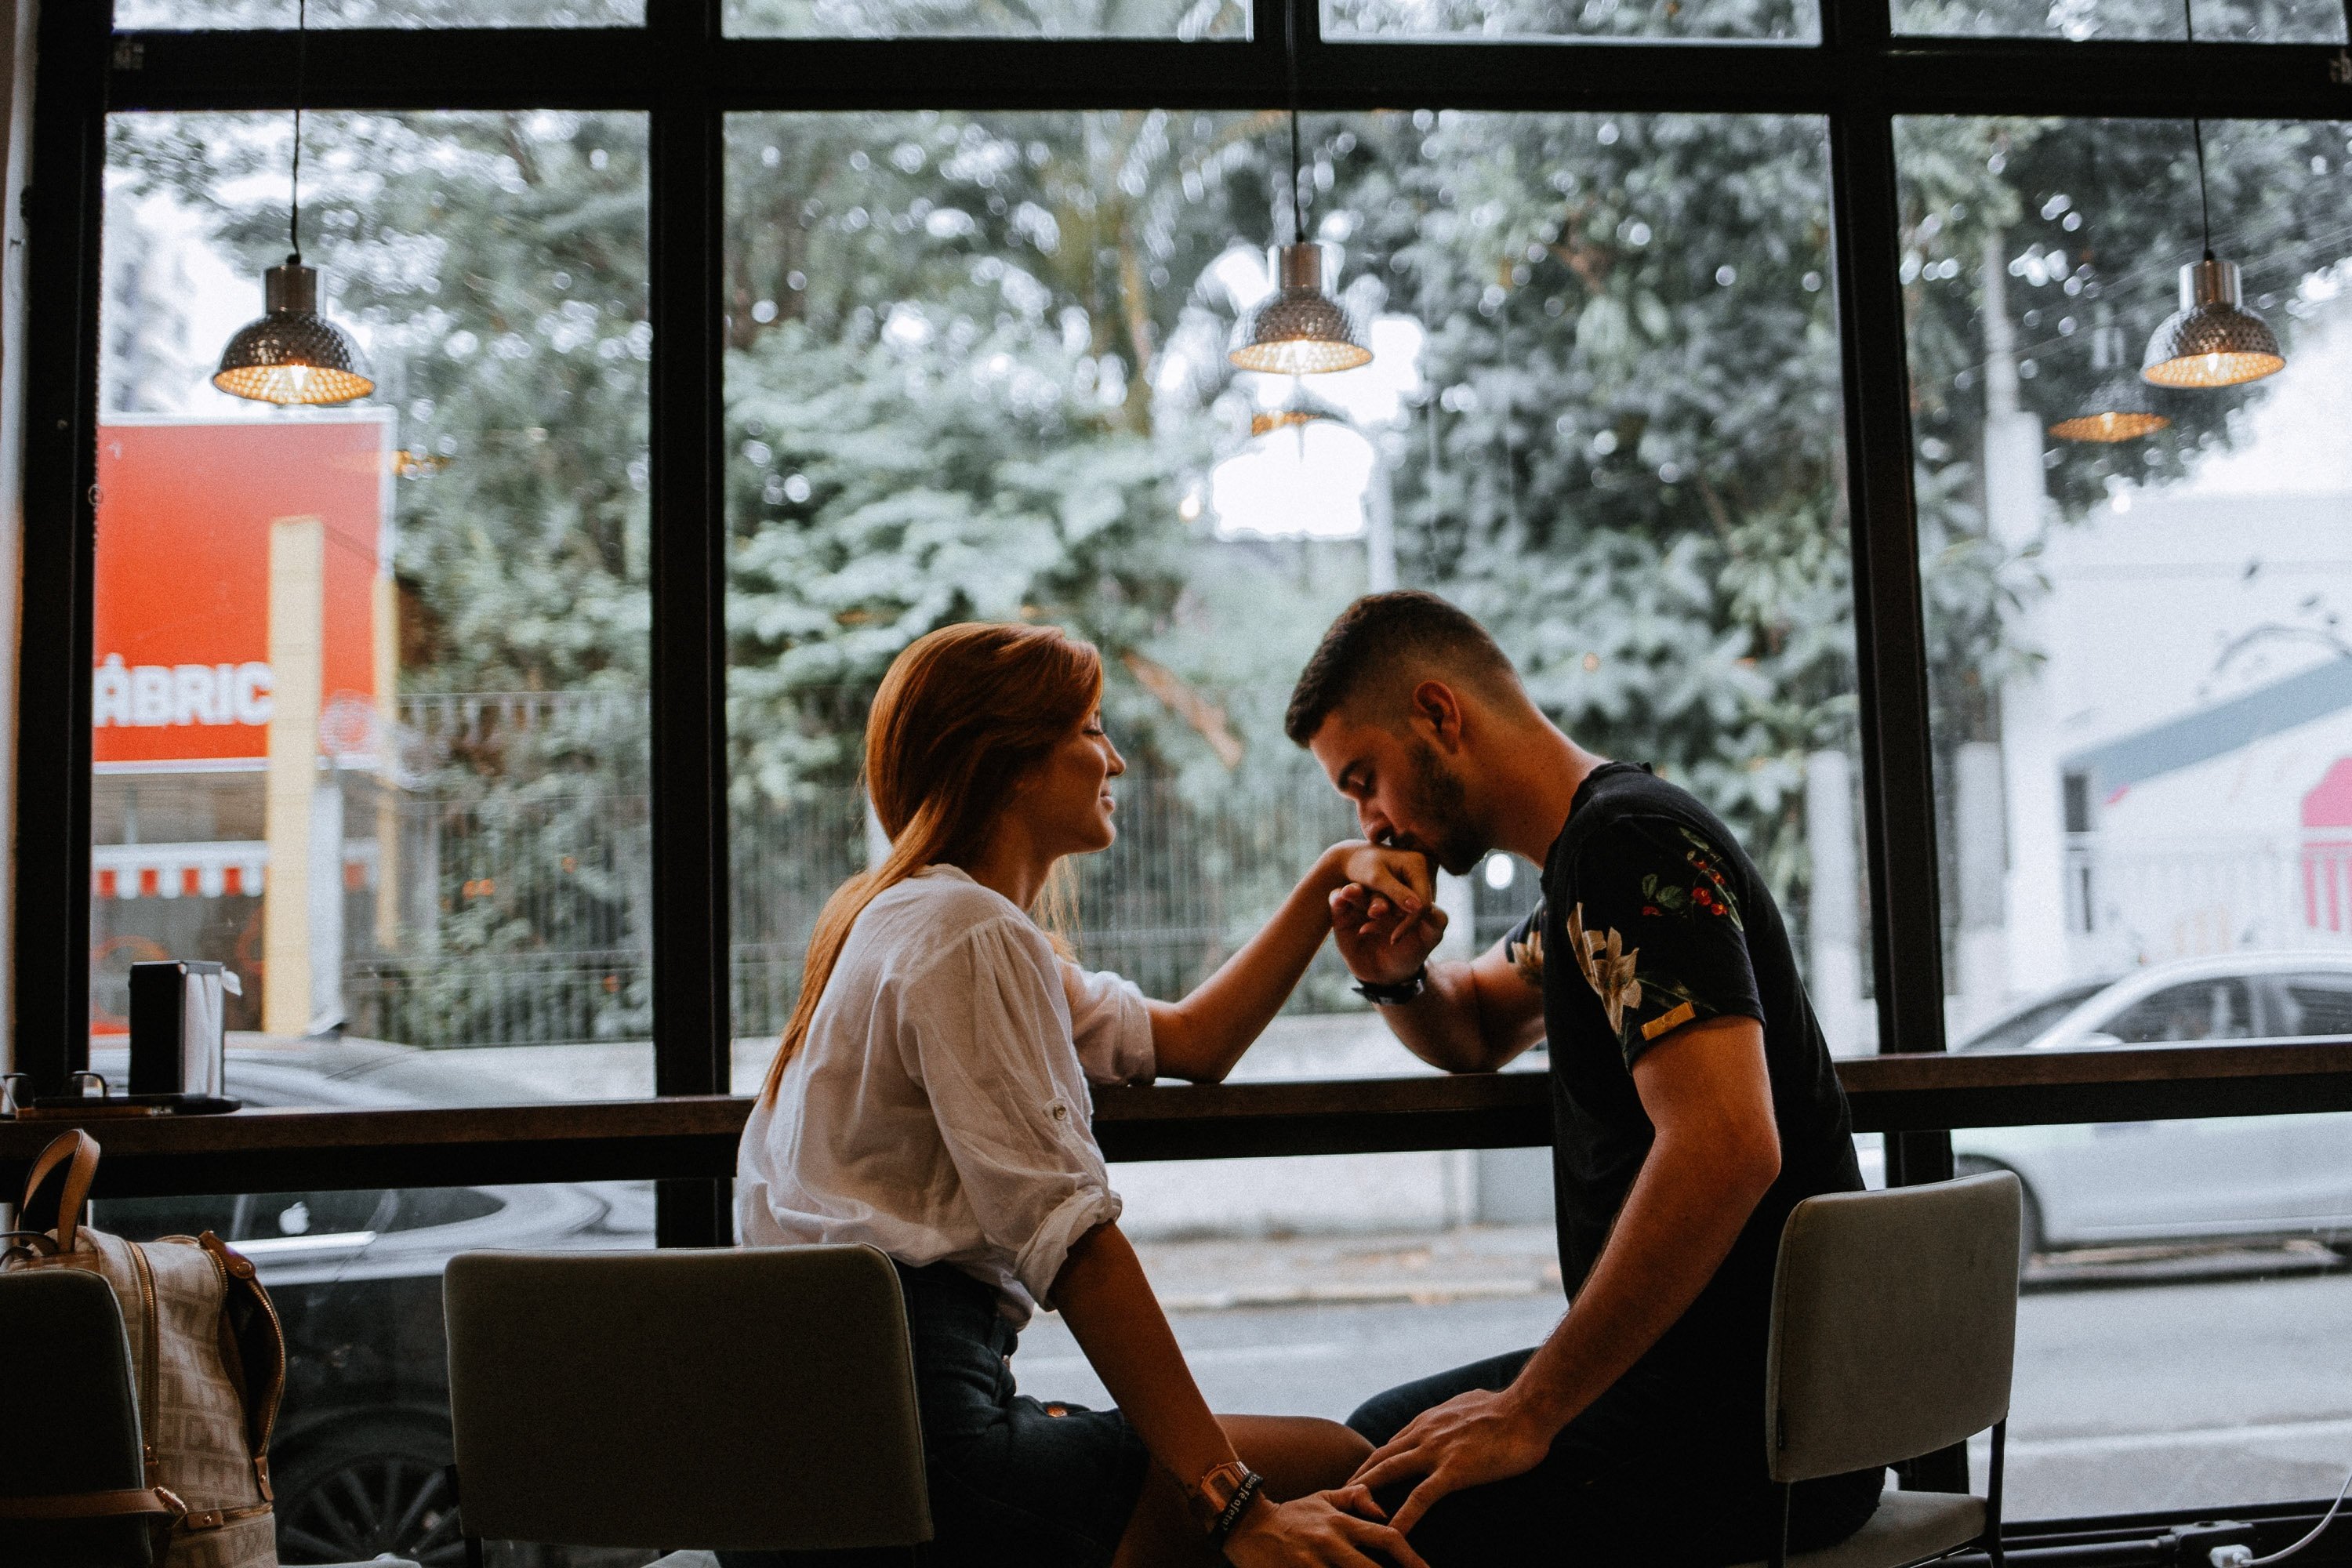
1342 1528
1383 915
1399 880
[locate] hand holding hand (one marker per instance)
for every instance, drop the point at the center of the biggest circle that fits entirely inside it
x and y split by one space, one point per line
1403 877
1381 938
1342 1528
1470 1440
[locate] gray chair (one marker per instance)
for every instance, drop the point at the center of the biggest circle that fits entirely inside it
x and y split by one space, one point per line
753 1400
69 1422
1894 1333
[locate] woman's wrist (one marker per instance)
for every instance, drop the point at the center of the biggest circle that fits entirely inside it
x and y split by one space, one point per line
1331 872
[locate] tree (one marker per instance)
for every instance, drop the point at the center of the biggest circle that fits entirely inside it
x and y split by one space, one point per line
975 368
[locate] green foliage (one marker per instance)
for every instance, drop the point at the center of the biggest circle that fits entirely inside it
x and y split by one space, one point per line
975 368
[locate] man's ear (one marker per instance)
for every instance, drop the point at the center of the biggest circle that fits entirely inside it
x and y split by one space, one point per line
1438 709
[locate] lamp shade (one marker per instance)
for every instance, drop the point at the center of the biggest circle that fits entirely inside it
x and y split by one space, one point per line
1299 329
293 354
2212 339
2121 408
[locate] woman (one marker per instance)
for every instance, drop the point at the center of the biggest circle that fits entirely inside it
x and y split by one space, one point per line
930 1099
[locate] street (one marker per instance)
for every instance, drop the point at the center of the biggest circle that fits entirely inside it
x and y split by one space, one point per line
2182 1394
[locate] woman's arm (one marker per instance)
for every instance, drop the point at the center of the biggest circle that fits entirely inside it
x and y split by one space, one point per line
1204 1035
1103 1296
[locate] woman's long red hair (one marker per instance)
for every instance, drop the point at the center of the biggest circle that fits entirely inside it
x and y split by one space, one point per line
961 714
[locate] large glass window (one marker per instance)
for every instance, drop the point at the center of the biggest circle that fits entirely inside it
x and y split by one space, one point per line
2241 21
370 687
2143 728
196 13
1762 21
976 368
1185 19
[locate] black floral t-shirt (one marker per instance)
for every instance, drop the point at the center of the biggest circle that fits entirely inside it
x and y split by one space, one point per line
1654 918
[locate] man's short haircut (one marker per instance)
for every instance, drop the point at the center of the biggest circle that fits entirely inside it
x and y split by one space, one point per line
1382 637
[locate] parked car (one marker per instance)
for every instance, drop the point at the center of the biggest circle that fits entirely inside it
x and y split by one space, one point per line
2215 1178
362 1439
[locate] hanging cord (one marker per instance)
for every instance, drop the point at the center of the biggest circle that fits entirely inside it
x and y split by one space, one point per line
301 76
2242 1557
1290 62
2197 130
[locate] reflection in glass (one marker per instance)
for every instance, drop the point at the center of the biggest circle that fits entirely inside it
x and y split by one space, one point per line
1728 20
369 695
195 13
2143 728
1184 20
2242 21
977 368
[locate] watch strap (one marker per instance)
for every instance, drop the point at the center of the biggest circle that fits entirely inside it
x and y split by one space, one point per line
1397 995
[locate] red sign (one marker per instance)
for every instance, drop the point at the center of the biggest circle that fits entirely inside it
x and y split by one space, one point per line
182 611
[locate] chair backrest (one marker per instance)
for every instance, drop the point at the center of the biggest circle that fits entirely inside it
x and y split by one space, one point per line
69 1419
1894 1324
761 1399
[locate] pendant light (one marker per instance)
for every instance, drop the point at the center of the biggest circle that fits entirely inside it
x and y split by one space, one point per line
2120 407
2212 339
293 353
1299 329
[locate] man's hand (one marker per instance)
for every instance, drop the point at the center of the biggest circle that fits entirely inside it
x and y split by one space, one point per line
1470 1440
1403 880
1381 941
1341 1528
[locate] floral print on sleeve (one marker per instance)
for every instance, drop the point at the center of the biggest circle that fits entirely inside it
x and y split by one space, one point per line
1657 932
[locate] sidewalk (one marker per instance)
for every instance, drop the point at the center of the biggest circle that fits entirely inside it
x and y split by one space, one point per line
1474 1262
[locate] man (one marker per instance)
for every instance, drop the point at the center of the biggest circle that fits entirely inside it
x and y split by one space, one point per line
1693 1105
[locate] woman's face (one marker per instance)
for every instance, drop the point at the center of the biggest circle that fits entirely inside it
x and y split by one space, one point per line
1066 795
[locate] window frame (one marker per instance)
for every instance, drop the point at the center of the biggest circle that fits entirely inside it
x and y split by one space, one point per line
679 69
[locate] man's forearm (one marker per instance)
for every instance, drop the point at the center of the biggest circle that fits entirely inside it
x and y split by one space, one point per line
1677 1226
1443 1025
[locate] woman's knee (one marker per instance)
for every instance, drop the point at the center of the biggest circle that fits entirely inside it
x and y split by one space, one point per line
1297 1454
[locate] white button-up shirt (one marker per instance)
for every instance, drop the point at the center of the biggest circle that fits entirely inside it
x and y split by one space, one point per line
939 1109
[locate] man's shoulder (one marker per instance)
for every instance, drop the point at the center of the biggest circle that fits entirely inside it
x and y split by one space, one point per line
1625 809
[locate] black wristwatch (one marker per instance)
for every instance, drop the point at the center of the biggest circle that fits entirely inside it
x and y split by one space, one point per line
1395 996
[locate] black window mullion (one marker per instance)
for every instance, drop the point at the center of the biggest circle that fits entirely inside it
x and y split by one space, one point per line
62 203
1889 625
691 1016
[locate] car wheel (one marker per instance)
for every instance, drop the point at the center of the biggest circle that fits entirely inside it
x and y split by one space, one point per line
369 1485
2030 1240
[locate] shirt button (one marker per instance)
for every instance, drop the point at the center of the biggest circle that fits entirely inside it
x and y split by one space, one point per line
1060 1112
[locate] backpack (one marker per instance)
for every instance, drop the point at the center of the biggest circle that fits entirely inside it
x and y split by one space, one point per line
209 1363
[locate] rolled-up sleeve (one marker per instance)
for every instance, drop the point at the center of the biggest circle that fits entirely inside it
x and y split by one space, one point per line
1110 1025
983 1035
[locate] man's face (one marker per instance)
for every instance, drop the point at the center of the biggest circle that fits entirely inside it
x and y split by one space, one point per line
1405 791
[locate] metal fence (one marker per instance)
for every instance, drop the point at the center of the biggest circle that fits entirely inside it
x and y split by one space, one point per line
520 918
1185 883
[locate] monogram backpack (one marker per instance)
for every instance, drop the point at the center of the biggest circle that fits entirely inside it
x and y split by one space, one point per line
208 1365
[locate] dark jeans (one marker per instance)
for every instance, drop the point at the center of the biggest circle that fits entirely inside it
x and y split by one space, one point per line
1665 1469
1014 1483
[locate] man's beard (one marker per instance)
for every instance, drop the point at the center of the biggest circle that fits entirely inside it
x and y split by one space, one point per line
1438 801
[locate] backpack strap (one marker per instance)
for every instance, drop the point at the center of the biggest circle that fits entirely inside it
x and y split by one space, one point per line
76 1152
253 1347
95 1505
